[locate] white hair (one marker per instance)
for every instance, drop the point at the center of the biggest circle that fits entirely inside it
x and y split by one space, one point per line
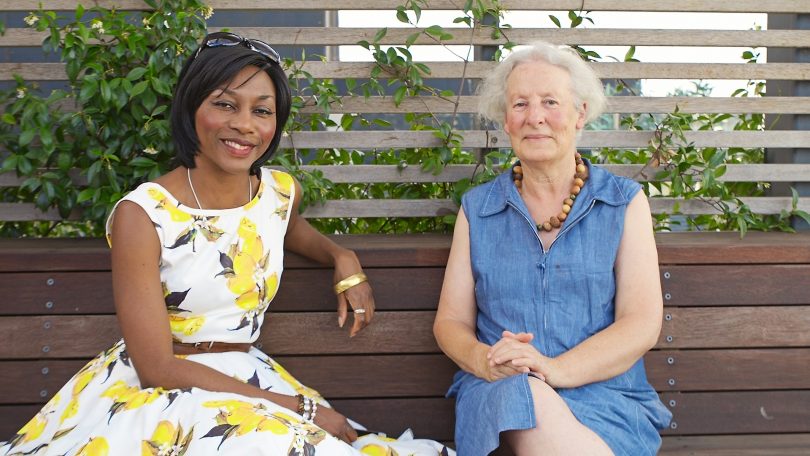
585 84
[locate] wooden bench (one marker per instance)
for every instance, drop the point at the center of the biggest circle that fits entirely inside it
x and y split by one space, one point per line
732 361
735 370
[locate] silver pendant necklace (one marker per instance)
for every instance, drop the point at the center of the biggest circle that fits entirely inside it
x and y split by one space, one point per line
191 186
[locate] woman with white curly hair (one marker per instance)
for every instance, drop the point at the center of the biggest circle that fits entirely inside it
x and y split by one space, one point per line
552 295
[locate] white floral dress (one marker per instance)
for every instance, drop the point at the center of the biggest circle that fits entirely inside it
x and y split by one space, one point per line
220 269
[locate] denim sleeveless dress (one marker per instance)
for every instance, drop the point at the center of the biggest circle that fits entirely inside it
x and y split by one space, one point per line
563 295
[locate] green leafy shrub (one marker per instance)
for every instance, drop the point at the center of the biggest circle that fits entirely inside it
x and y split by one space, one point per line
111 123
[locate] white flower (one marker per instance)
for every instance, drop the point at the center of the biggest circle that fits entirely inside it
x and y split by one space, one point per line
20 93
207 12
150 150
166 24
145 21
97 25
31 19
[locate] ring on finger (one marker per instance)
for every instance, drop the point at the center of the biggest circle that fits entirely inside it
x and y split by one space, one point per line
359 311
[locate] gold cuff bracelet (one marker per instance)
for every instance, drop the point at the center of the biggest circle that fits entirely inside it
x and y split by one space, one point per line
348 282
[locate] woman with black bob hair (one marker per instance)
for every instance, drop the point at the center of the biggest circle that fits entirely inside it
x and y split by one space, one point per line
212 69
196 262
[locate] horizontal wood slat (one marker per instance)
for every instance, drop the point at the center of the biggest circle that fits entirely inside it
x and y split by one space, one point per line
429 250
440 208
736 445
60 293
735 369
403 332
695 413
724 6
744 285
92 254
475 70
335 36
498 138
616 104
347 174
306 290
741 327
338 376
739 412
731 249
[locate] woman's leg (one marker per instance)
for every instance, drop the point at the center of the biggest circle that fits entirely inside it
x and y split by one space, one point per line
558 431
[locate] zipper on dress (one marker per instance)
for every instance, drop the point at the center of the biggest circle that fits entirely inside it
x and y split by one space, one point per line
567 227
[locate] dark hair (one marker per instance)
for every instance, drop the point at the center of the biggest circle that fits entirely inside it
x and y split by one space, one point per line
207 71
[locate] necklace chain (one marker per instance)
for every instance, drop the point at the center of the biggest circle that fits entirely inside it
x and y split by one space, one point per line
580 176
193 192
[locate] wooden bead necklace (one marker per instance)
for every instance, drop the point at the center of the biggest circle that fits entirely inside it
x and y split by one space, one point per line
580 177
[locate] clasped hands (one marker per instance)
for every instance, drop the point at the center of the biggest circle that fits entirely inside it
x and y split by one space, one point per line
514 354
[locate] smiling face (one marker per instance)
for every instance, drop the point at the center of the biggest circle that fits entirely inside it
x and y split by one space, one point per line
542 118
235 123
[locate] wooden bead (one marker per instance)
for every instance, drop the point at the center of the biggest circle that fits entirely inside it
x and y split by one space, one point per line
580 177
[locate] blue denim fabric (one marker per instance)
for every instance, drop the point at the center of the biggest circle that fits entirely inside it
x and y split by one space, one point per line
563 295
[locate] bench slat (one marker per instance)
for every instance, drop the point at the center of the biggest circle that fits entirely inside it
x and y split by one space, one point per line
736 445
423 375
750 327
747 285
736 369
700 413
304 290
428 250
739 412
301 290
403 332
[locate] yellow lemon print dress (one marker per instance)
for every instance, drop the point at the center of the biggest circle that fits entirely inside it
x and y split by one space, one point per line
219 269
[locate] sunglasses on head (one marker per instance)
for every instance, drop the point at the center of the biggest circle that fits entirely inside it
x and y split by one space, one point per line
219 39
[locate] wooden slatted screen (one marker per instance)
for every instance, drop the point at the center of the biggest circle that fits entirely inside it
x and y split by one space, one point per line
17 36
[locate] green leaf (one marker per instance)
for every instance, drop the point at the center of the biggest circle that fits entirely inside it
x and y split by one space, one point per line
87 194
9 119
628 56
399 95
138 89
27 136
106 91
434 30
555 20
380 34
136 73
803 215
402 16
